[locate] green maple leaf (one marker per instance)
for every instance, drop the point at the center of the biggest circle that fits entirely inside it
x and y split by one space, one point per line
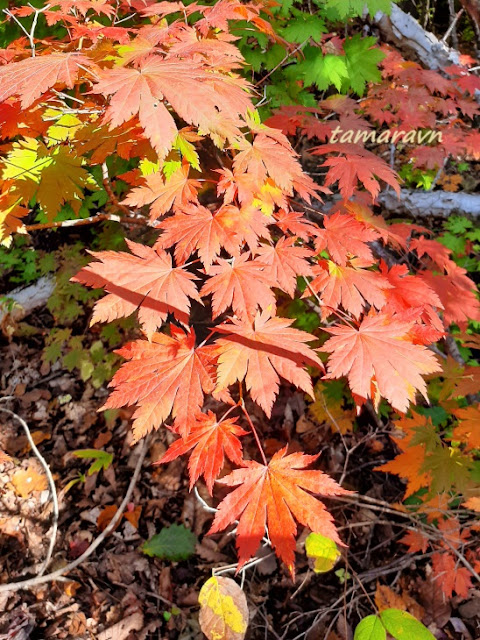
324 71
449 468
353 8
303 27
362 62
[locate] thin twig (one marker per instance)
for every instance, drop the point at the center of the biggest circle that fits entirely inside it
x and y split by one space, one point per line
51 483
55 575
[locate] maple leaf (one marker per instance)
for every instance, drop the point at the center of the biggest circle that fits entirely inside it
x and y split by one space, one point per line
54 176
356 165
350 286
198 95
262 353
166 375
273 495
146 281
450 577
287 261
433 249
406 290
296 223
197 229
176 191
11 213
379 355
344 237
456 291
210 440
270 154
31 78
242 284
468 429
415 541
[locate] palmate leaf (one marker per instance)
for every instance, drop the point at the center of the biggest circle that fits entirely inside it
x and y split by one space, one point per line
201 96
356 164
273 495
145 280
53 176
262 353
165 376
241 283
211 440
379 359
31 78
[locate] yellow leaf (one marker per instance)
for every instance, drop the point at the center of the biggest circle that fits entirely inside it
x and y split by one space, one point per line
223 610
27 481
64 128
10 214
323 551
54 176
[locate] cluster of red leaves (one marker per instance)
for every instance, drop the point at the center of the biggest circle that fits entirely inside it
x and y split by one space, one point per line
411 101
140 85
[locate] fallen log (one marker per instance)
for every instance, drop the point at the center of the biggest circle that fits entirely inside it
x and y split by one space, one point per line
424 204
409 36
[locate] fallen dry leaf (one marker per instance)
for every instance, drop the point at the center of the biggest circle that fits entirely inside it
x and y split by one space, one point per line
27 481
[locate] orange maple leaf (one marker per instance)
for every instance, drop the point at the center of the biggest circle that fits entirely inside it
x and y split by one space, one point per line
146 281
261 354
30 78
200 95
210 440
176 191
286 261
380 354
166 375
241 283
350 286
272 495
344 238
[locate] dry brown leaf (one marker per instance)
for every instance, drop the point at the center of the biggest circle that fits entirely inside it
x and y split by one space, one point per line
27 481
106 516
386 598
133 515
223 609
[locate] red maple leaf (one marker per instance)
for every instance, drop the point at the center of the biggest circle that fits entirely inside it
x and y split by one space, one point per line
356 165
379 359
345 237
273 495
146 281
456 292
210 440
449 576
241 283
165 376
261 354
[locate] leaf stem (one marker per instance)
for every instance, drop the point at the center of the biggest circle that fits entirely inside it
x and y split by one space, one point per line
255 434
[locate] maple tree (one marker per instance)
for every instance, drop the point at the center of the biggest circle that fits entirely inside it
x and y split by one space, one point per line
166 95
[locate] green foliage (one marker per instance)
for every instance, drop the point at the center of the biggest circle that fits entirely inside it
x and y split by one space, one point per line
362 62
94 362
173 543
399 624
101 459
403 626
370 628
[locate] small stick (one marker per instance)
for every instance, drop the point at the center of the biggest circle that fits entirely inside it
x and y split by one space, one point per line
56 575
51 483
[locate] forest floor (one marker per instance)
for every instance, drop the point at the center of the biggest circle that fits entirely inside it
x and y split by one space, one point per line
119 592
